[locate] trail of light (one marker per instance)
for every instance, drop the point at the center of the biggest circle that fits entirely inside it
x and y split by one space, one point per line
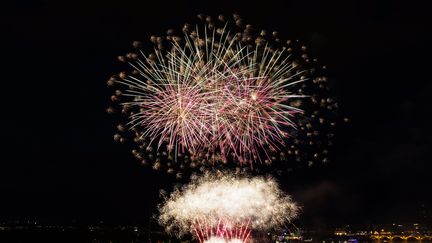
223 230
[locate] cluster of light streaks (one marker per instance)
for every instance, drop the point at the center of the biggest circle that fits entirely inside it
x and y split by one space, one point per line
222 93
222 240
225 229
226 206
215 98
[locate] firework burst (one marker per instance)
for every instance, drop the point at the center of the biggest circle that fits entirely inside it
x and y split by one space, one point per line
217 93
226 207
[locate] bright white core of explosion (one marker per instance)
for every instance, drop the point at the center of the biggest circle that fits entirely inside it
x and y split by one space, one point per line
232 200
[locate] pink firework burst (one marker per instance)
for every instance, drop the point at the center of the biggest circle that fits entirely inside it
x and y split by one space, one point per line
212 94
176 115
254 115
226 102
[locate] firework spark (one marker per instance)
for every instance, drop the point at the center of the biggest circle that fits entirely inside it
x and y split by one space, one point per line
225 206
219 93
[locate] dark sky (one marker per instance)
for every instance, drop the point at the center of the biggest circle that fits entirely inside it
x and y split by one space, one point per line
58 160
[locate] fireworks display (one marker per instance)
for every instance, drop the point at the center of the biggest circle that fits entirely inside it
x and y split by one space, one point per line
222 92
223 207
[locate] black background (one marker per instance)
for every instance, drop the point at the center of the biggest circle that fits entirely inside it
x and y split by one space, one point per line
58 160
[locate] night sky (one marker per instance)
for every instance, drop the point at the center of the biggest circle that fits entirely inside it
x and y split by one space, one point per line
59 161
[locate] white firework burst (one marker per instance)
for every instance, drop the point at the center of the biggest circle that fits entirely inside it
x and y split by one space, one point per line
226 206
